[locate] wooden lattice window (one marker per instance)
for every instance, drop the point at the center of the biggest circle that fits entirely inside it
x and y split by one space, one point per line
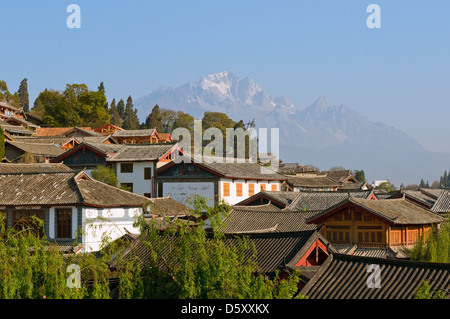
64 223
238 189
274 187
251 189
226 189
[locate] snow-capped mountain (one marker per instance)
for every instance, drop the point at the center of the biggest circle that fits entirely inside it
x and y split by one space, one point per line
323 134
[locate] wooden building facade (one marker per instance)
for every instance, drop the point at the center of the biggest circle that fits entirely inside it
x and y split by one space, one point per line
376 223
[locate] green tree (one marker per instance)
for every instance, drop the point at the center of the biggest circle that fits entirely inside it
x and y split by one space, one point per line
116 119
424 292
435 247
121 109
23 95
105 175
185 261
360 176
388 187
153 120
130 120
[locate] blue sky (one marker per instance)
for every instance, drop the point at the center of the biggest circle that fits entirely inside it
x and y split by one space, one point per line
398 74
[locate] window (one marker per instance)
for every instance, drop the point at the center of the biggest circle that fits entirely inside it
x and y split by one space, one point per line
64 223
412 236
263 187
127 186
147 173
126 168
251 189
396 236
226 189
238 189
149 195
274 187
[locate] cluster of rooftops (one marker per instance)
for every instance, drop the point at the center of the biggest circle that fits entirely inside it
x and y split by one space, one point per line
327 224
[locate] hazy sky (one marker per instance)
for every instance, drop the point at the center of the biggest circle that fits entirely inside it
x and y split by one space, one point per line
398 74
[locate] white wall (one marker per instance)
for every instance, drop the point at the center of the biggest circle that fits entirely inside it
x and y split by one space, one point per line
182 190
140 185
233 198
110 223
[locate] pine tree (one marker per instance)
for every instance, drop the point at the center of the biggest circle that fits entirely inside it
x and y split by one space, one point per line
121 109
154 119
445 179
115 115
130 120
23 95
422 184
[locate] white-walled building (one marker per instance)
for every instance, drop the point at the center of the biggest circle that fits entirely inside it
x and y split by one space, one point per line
217 182
135 165
72 205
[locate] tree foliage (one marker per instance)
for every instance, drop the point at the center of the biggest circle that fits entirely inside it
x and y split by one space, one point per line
23 95
75 106
435 246
185 261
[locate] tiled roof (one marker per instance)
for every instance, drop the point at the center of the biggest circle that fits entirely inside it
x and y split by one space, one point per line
39 149
273 250
244 170
15 129
320 201
395 211
345 277
141 152
166 206
312 181
355 250
73 188
55 140
16 168
133 133
442 203
55 131
282 197
265 218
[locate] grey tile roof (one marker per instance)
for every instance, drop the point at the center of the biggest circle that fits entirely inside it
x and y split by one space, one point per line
133 133
284 198
265 218
317 181
141 152
320 201
15 129
345 277
55 140
31 189
166 206
355 250
16 168
395 211
442 203
273 250
39 149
